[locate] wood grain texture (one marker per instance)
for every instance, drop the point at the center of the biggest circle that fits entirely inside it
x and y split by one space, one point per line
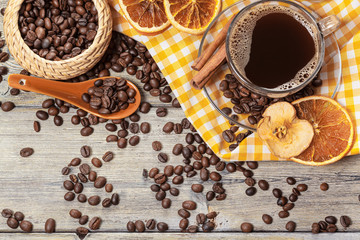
34 185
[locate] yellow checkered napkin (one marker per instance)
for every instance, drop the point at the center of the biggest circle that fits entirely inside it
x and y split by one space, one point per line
175 51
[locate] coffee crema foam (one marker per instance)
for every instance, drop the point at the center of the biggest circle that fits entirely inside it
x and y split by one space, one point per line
241 39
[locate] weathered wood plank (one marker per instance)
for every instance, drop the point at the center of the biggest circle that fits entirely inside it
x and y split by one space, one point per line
160 236
239 236
34 236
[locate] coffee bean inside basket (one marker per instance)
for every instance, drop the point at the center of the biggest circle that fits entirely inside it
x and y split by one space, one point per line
58 30
110 95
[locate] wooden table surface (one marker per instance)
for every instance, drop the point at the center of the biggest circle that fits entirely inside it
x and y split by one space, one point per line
34 185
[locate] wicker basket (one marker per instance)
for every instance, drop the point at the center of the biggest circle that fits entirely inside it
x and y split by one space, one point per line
64 69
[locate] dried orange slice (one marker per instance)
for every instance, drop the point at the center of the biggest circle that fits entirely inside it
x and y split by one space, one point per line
333 130
146 16
192 16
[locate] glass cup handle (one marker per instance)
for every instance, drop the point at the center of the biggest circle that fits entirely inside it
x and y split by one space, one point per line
329 24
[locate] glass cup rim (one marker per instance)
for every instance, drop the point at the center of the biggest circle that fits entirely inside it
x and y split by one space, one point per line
270 91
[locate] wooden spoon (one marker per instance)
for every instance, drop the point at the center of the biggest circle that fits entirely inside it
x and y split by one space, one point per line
71 93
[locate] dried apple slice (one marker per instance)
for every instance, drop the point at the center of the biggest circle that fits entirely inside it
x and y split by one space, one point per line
285 135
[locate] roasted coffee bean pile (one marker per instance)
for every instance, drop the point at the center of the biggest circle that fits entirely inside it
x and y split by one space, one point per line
246 102
14 220
329 225
123 53
58 29
76 183
110 95
140 226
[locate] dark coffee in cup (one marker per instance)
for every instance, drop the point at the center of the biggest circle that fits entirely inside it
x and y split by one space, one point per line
274 47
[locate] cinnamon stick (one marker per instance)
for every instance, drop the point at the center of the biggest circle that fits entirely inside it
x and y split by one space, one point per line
219 40
214 63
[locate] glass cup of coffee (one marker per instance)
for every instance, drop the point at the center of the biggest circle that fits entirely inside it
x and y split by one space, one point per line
275 48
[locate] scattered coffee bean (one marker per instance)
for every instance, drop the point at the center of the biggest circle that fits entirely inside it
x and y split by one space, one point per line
85 151
151 224
246 227
162 227
331 219
6 213
69 196
288 206
85 168
140 226
168 127
50 225
82 198
82 231
100 182
283 214
215 176
302 187
95 223
282 201
12 223
161 112
267 218
166 203
42 115
106 202
145 127
315 228
83 219
184 213
134 140
75 213
277 192
96 162
115 199
130 226
208 226
19 216
174 191
197 188
290 226
94 200
26 152
108 156
189 205
345 221
163 157
290 180
324 186
37 126
157 146
250 191
263 185
75 162
108 187
331 228
7 106
26 226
